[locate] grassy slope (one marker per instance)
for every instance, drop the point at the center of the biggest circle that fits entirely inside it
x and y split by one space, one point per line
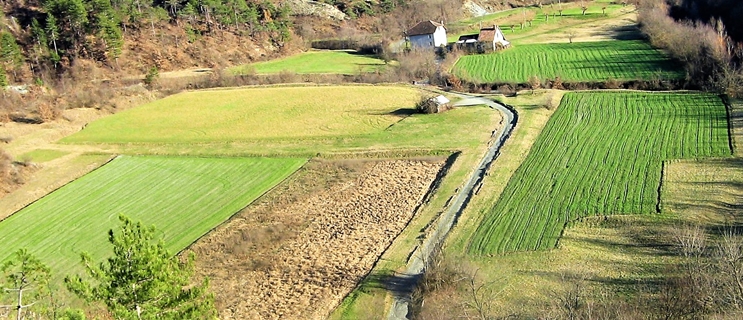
619 256
571 14
42 155
288 122
246 114
576 62
335 62
183 197
622 138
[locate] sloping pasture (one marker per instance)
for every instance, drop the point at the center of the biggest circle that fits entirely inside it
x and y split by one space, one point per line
183 197
254 113
288 121
572 62
320 62
600 154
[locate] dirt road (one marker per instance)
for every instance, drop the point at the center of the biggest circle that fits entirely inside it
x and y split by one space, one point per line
417 261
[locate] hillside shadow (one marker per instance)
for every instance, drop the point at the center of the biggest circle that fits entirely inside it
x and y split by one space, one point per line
631 32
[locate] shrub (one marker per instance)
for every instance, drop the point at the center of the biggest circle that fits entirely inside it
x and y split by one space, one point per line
150 79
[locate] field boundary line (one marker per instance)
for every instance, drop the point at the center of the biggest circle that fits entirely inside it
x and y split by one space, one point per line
234 214
114 157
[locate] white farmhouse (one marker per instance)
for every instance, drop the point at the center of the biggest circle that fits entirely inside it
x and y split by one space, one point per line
427 34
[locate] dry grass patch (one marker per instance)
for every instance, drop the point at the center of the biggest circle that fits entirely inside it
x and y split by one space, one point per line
302 248
709 191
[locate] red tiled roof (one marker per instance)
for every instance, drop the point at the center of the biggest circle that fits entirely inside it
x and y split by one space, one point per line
424 27
487 34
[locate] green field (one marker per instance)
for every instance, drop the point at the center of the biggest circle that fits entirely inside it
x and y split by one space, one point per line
571 15
600 154
183 197
43 155
288 121
247 114
319 62
572 62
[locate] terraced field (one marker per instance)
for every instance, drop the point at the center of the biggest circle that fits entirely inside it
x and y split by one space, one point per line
600 154
183 197
572 62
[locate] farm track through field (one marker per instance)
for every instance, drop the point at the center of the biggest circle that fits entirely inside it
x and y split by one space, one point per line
404 283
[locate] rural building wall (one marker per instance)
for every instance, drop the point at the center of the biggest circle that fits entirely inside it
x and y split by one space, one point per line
437 39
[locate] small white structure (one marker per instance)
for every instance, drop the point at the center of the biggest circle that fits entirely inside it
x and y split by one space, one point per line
427 34
493 37
440 100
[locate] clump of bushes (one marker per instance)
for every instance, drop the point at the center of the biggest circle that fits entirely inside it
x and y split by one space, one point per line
429 105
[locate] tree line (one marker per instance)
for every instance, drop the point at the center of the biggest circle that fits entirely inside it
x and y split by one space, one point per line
49 33
712 56
141 280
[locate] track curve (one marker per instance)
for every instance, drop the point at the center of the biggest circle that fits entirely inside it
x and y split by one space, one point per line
416 265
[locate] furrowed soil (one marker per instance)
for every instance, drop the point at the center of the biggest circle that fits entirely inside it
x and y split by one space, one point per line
305 245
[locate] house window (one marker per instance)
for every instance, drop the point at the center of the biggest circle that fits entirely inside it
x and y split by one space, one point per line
430 43
429 36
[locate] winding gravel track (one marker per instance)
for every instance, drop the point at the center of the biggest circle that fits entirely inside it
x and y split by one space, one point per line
406 281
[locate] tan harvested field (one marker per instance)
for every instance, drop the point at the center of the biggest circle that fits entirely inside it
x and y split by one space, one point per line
300 249
621 26
708 191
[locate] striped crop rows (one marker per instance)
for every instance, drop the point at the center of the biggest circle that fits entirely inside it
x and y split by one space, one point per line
183 197
600 154
572 62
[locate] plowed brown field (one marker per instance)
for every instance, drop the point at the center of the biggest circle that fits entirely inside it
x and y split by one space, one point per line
297 252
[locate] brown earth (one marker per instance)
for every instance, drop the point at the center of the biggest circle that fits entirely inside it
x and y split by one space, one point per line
301 248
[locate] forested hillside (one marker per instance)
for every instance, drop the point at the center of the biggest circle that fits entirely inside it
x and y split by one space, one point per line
46 37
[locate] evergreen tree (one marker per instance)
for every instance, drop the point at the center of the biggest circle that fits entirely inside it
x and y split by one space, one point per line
142 280
52 33
26 279
10 53
3 79
38 33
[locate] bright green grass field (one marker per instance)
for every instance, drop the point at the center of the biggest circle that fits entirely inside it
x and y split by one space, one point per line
319 62
43 155
183 197
572 62
600 154
254 113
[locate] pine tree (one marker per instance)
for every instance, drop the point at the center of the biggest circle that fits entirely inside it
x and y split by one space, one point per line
52 32
26 278
10 52
3 79
142 280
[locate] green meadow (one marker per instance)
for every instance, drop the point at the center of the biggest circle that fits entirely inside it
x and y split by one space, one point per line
572 62
184 198
600 154
320 62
